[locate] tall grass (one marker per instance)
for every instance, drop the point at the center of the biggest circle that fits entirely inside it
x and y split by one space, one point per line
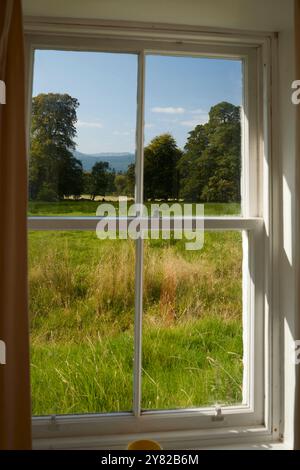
82 317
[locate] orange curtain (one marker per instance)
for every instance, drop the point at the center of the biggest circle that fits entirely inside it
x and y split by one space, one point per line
15 412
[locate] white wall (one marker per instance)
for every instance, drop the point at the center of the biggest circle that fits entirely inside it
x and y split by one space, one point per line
288 253
256 15
272 15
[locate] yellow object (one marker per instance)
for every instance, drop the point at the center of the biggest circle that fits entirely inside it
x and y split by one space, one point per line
144 445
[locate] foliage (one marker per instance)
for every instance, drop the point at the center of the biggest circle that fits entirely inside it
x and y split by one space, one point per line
130 177
210 168
161 174
52 166
100 181
47 193
121 184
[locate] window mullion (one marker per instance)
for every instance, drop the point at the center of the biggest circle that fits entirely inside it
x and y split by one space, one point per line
139 199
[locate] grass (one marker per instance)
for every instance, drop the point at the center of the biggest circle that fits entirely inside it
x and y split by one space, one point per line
194 364
88 208
82 318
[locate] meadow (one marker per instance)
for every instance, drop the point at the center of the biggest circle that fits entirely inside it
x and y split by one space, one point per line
82 319
87 207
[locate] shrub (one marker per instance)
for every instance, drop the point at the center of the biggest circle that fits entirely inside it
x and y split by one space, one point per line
47 193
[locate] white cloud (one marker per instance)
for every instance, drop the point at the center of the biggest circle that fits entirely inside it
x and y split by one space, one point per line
195 122
200 116
149 126
90 124
168 110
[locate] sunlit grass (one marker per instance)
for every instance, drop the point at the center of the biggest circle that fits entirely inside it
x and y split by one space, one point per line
184 366
82 316
89 208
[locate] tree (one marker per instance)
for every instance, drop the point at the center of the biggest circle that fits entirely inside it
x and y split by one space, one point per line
121 184
111 187
70 181
130 178
224 152
87 183
52 167
161 173
189 165
101 179
224 113
210 168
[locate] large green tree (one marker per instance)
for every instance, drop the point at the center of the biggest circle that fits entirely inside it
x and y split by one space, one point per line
161 173
53 170
191 164
210 168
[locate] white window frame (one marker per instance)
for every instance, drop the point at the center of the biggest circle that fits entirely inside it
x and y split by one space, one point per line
258 419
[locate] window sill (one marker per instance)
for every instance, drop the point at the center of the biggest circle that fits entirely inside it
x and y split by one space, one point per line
248 438
276 445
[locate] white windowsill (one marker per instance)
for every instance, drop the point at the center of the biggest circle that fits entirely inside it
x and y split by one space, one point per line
255 438
253 446
78 444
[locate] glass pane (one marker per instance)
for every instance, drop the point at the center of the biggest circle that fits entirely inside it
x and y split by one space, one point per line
193 323
193 132
81 318
82 131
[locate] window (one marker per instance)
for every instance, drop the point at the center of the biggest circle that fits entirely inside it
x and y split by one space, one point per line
195 319
179 366
81 302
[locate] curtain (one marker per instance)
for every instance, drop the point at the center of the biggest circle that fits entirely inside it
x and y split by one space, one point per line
15 412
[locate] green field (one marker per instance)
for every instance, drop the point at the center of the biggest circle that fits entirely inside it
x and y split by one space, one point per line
82 313
88 208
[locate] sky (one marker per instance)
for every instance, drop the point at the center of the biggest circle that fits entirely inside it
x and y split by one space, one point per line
179 94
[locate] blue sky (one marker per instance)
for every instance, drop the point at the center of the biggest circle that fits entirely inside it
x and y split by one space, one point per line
179 94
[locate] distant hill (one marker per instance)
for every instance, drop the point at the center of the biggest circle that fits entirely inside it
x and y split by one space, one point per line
117 161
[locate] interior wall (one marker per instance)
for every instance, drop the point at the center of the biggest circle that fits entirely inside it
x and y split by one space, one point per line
287 276
271 15
255 15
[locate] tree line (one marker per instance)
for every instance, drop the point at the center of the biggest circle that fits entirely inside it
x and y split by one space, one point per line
207 169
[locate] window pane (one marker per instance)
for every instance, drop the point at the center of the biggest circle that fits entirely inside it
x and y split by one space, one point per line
82 131
193 326
193 132
81 316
